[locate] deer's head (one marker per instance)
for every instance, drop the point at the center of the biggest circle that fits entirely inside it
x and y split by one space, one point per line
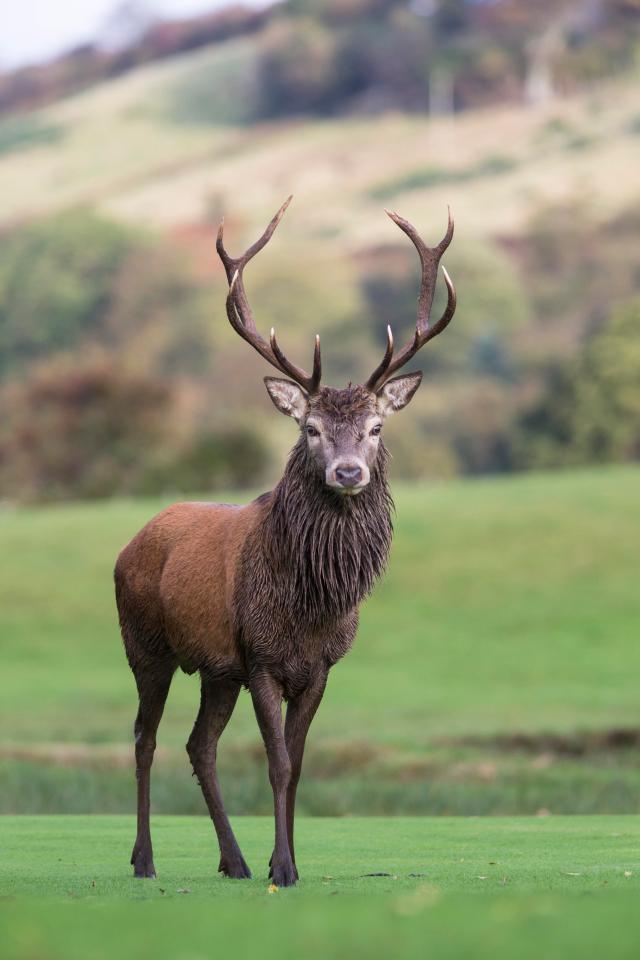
341 428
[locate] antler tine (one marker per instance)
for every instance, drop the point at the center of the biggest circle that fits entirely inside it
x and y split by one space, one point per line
241 317
310 383
250 335
430 261
449 310
234 266
316 376
383 366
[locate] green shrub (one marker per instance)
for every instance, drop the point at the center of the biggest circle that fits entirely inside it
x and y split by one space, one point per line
589 411
55 283
77 428
231 458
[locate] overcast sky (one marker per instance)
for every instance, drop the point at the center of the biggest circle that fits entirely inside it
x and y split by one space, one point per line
33 30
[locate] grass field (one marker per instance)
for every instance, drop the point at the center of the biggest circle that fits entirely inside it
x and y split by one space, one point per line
510 606
556 887
495 671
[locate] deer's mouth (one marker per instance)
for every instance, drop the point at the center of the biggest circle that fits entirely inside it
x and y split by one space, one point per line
349 491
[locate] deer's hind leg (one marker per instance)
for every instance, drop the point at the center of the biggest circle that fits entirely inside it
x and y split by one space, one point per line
153 665
217 700
153 681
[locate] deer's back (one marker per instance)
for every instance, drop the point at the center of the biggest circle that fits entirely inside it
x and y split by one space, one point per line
176 578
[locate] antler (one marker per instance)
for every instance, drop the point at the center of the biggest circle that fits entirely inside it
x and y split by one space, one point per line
430 260
241 317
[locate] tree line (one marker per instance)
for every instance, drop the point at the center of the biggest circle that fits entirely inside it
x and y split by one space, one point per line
326 57
119 373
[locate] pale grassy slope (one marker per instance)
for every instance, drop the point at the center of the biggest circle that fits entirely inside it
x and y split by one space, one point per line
126 152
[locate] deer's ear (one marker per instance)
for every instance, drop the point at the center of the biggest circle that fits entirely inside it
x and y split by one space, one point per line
397 393
287 397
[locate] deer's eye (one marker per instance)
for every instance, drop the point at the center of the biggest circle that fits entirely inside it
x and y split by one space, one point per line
375 431
312 432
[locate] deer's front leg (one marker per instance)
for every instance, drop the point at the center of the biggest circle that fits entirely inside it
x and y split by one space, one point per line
266 694
300 713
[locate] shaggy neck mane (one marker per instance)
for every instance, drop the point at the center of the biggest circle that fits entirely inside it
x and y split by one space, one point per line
325 550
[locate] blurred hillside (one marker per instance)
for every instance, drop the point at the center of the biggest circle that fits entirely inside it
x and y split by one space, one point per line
332 56
118 371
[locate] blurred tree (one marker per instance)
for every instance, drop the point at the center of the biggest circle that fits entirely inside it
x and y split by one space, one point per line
79 428
160 312
384 65
79 278
607 389
589 411
229 459
295 69
572 269
55 283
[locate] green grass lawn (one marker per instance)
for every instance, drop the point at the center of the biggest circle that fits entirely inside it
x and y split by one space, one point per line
553 887
510 605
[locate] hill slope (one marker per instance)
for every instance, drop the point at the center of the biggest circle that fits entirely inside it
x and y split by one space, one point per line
143 148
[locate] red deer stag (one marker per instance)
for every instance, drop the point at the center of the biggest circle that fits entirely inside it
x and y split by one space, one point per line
266 595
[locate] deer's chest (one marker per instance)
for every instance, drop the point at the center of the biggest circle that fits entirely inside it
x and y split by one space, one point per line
294 650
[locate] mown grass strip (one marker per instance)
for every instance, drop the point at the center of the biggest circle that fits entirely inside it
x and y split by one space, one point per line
88 857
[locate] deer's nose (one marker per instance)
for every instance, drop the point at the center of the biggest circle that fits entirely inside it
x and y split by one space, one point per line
348 476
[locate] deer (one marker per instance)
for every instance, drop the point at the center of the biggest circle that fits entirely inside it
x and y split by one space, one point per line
265 596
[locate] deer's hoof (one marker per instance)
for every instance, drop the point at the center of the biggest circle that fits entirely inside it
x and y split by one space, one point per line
235 868
283 874
295 870
143 867
142 862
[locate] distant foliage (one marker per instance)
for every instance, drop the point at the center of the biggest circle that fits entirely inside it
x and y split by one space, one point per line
335 56
86 428
589 411
119 372
55 283
368 55
107 346
80 278
39 85
72 430
295 72
229 459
